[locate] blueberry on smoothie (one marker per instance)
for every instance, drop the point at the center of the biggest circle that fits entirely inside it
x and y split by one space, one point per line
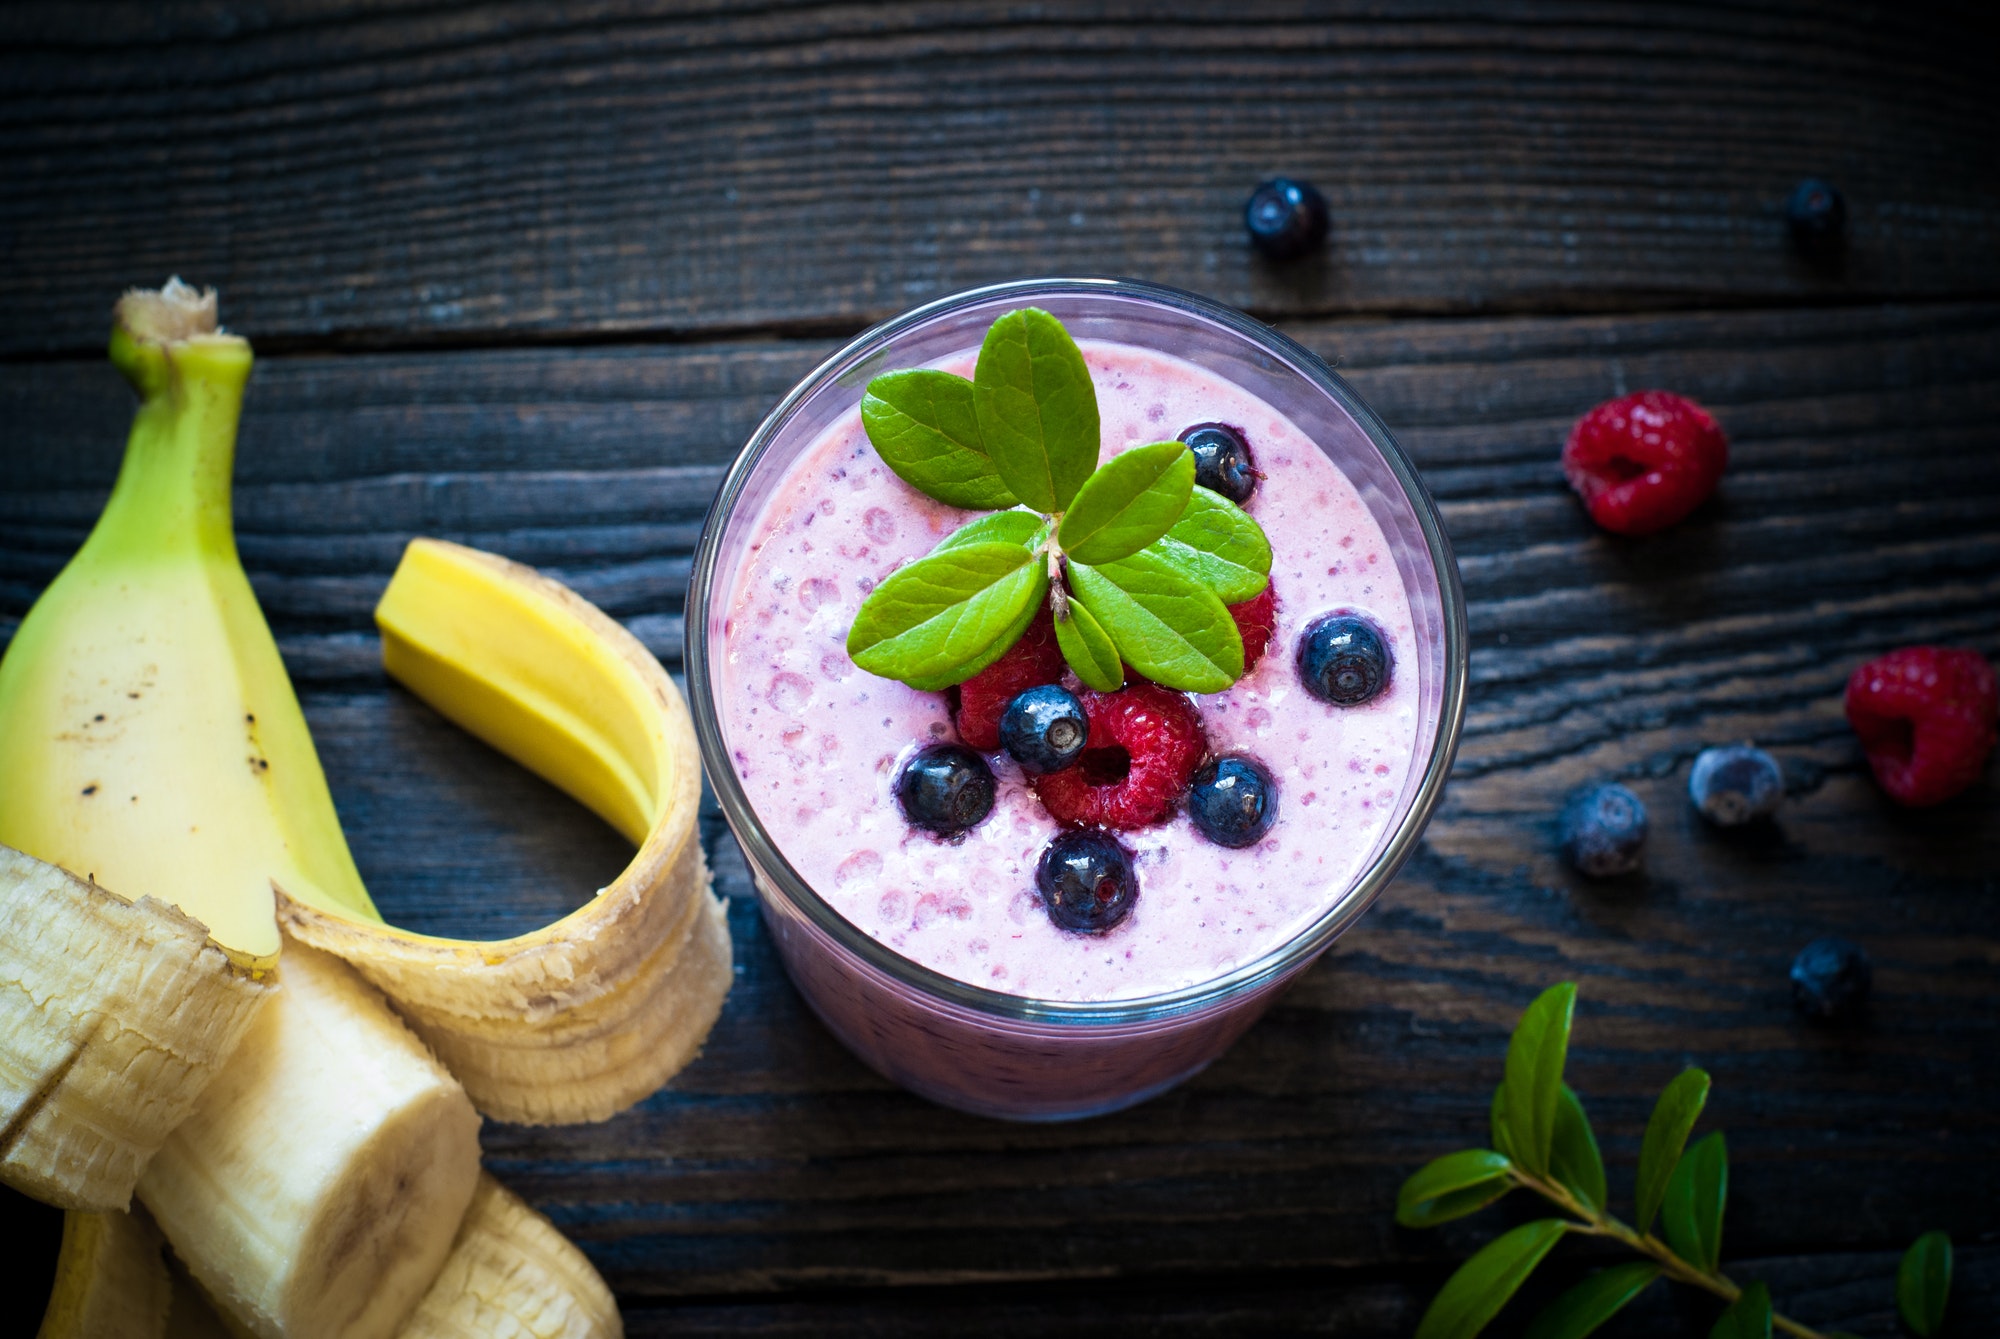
1232 801
1086 881
1344 659
1830 978
1285 218
1044 729
1603 831
1735 785
1221 460
945 789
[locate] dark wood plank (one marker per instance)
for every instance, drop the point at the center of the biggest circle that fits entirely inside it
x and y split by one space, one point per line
1862 511
421 173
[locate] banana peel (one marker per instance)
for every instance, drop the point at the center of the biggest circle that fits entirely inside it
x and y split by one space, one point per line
111 1280
578 1020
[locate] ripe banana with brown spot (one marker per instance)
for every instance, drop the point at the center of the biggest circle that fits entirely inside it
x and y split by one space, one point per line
580 1019
114 1016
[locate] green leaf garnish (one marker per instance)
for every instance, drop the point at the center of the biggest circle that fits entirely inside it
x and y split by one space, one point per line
1151 561
1691 1213
1089 649
924 425
1216 542
1666 1135
1923 1283
1037 408
1174 632
1128 503
1474 1295
1535 1060
944 618
1590 1303
1452 1187
1748 1317
1573 1156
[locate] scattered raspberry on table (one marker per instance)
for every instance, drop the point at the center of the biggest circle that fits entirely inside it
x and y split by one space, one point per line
1645 460
1925 716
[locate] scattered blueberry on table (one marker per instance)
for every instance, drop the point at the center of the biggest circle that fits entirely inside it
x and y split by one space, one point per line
1830 978
1603 831
1735 785
1817 214
1232 801
1286 218
945 789
1086 880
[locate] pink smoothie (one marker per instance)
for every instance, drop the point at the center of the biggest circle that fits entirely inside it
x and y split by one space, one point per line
818 743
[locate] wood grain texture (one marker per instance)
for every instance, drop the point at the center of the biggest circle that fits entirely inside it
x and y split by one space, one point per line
1862 510
410 174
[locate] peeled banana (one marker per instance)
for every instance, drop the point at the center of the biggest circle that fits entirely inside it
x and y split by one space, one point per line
111 1280
511 1275
114 1016
579 1020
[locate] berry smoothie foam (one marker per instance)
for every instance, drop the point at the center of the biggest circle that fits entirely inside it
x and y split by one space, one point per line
818 743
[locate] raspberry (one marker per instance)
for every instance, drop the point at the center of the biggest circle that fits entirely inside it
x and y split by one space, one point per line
1145 742
1028 663
1256 618
1925 716
1645 460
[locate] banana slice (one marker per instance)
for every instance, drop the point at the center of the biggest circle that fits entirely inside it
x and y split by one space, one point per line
511 1275
578 1020
111 1280
114 1015
331 1214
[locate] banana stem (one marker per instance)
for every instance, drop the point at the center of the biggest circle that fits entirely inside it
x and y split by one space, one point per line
1599 1224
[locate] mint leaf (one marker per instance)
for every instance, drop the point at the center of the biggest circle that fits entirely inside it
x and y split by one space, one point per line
1748 1317
944 618
1452 1187
1666 1135
1130 501
1089 650
1535 1059
1037 409
1474 1295
1573 1156
1218 543
1592 1302
1170 629
1691 1214
1002 527
1923 1283
926 428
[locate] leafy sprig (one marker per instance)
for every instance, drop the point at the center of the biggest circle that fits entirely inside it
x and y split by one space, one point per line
1137 562
1542 1142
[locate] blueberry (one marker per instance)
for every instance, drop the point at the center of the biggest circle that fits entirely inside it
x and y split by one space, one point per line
1233 801
1344 659
1817 213
1286 218
1603 829
1044 729
1222 460
945 789
1830 978
1086 881
1735 785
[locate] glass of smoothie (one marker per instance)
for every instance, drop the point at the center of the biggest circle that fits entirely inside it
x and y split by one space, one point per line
938 961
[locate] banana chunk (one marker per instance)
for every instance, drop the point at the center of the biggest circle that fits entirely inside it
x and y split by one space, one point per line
111 1280
512 1275
317 1186
578 1020
114 1015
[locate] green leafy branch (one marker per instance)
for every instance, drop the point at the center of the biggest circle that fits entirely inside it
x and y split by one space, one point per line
1138 563
1542 1142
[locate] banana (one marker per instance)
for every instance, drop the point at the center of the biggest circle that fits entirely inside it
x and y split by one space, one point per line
111 1280
580 1019
511 1275
151 742
114 1015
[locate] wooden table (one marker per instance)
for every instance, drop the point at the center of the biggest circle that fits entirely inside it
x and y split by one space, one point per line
528 281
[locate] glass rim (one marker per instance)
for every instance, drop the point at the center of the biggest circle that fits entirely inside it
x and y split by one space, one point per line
766 859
